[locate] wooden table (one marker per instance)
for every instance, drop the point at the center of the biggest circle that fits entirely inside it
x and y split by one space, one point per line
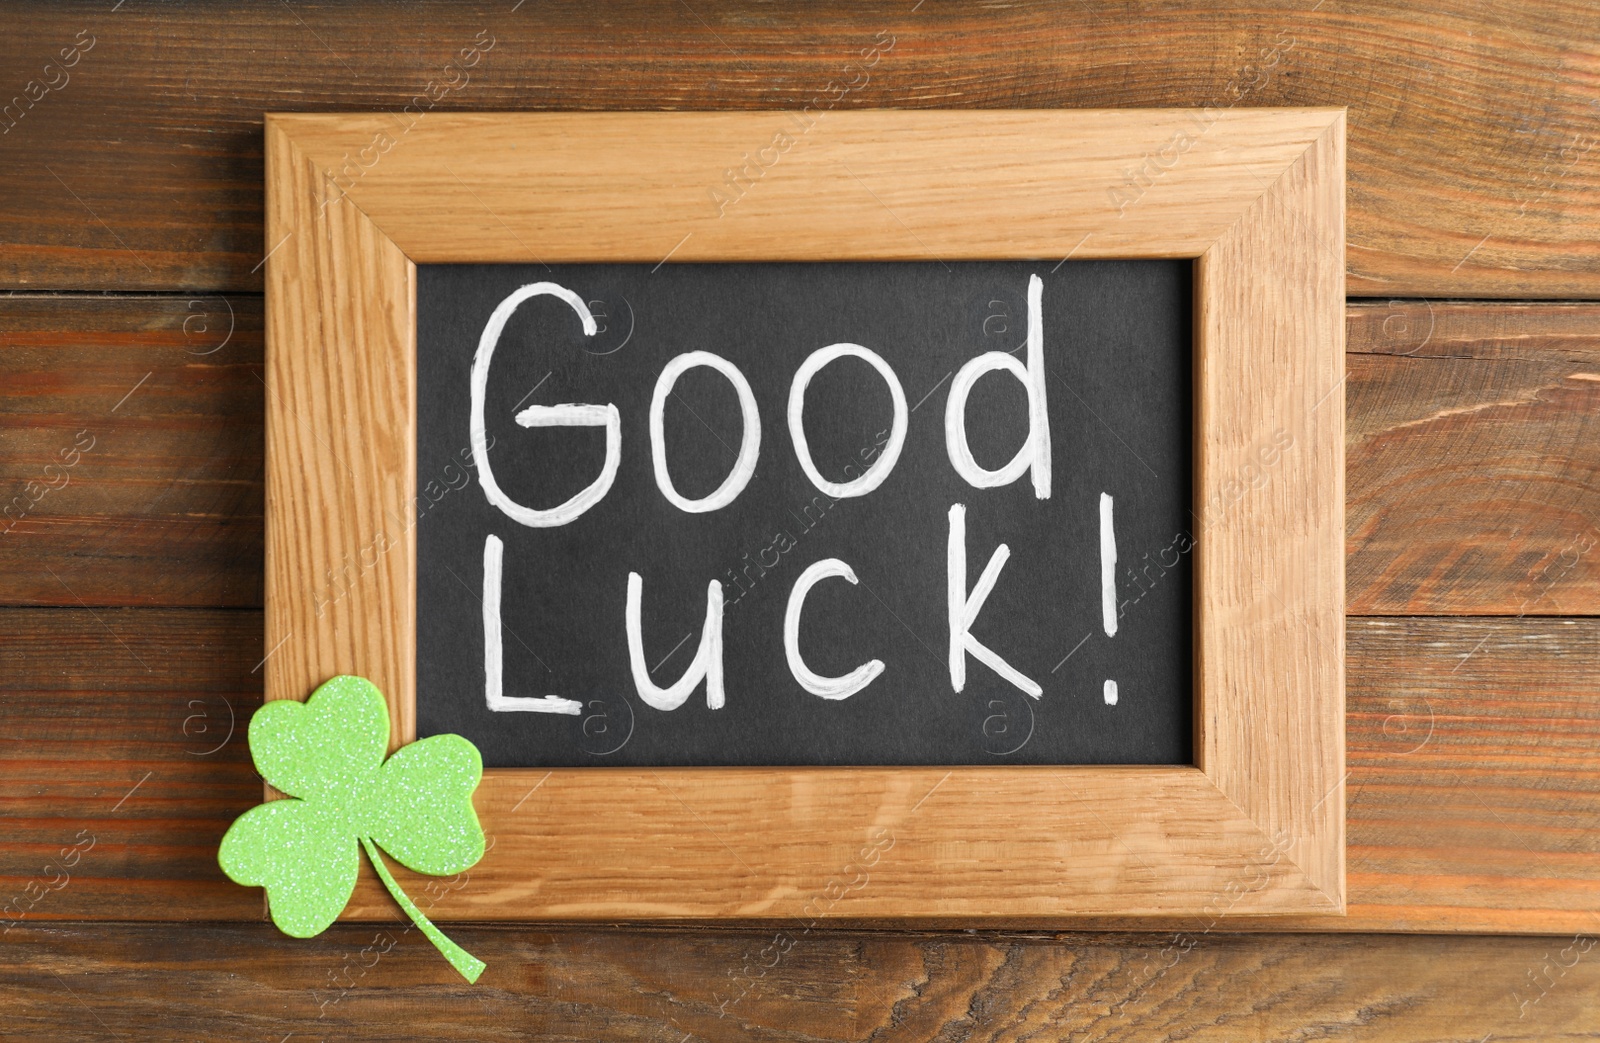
130 580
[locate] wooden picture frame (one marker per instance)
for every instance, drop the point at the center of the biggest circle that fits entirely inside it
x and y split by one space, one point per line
1255 197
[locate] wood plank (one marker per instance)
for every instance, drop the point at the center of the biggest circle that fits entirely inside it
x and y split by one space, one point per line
1474 760
1473 459
121 981
1473 802
1517 331
1472 160
1471 482
159 401
122 733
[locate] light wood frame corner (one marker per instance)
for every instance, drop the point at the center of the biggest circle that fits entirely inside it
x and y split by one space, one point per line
1255 197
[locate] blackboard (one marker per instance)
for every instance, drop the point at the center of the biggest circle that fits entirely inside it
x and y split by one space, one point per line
1091 612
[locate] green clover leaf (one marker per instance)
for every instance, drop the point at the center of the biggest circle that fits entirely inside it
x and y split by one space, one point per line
304 855
425 818
327 754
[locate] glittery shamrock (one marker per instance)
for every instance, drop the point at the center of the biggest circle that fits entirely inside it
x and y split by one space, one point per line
328 754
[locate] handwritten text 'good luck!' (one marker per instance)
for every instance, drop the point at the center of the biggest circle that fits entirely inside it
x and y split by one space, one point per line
964 602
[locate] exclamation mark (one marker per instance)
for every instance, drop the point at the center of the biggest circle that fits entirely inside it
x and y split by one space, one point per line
1108 585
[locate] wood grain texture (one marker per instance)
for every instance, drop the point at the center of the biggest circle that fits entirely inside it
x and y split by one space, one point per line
1473 459
158 400
1546 331
125 729
341 447
1472 162
172 515
930 845
1473 801
1258 197
1269 575
1474 774
846 186
117 982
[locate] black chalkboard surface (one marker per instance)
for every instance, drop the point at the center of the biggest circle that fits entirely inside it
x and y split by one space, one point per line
840 591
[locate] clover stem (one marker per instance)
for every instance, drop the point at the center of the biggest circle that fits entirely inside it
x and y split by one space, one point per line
468 965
